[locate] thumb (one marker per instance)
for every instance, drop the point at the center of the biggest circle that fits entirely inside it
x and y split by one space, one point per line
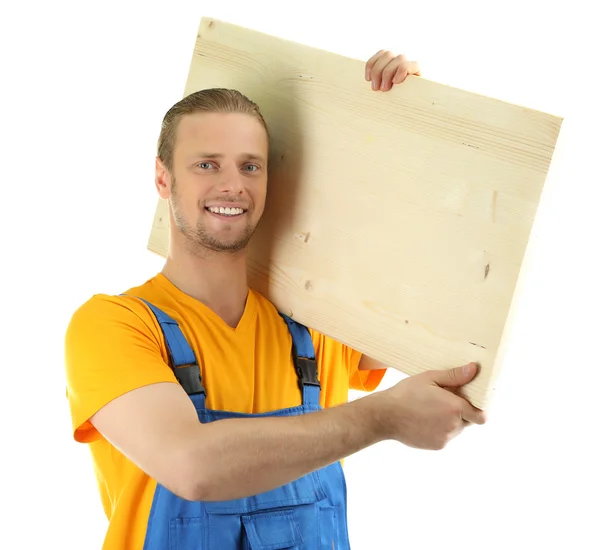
455 377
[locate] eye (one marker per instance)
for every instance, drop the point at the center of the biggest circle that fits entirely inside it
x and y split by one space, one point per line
252 167
205 165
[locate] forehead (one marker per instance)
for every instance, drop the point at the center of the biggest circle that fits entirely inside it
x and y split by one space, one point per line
227 132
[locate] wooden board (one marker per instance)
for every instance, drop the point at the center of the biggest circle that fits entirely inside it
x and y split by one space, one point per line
396 222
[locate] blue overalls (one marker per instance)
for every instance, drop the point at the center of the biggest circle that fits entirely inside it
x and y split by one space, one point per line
306 514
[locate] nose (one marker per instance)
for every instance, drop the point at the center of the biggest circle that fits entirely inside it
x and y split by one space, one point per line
231 181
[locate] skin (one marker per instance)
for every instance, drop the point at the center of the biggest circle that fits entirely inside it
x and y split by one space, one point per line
220 160
203 242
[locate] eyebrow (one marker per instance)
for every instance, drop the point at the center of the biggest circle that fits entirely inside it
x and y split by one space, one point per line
248 156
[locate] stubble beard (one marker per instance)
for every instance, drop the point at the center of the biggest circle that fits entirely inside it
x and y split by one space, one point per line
199 239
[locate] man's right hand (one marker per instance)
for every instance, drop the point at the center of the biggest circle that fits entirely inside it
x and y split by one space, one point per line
422 411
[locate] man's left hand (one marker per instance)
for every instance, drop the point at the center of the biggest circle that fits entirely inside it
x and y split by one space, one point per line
385 69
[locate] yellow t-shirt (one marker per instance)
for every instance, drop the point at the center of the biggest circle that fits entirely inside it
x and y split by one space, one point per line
114 344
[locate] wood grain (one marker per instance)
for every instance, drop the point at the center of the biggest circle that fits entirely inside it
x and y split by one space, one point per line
396 222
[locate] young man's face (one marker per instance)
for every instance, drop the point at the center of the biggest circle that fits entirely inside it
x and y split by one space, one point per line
219 182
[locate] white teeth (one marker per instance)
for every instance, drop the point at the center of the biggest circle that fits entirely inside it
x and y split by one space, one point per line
226 211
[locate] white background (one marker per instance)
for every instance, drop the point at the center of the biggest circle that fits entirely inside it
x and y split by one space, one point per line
84 89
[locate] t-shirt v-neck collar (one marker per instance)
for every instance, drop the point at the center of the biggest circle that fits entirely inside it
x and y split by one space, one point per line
248 316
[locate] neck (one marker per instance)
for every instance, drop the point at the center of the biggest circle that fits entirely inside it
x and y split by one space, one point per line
217 279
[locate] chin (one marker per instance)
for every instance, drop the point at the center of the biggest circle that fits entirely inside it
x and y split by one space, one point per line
229 247
224 245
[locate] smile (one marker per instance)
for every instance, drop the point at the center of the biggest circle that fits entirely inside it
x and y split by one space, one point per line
225 211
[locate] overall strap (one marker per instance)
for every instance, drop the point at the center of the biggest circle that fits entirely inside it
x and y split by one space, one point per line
182 358
303 355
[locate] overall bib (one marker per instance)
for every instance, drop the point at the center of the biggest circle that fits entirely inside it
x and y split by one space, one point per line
306 514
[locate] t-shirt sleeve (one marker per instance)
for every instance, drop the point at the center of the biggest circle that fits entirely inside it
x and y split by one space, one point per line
363 380
331 352
113 345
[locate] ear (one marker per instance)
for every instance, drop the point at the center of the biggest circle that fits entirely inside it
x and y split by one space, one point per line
162 179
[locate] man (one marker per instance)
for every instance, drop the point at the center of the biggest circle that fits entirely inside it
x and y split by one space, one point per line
213 420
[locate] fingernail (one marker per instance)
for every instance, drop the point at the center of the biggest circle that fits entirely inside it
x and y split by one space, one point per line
468 369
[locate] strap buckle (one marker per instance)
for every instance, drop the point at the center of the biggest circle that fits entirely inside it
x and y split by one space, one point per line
190 378
306 369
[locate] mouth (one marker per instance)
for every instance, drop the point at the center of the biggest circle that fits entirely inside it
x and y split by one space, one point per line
226 211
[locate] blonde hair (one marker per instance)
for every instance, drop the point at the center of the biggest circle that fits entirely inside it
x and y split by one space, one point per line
211 100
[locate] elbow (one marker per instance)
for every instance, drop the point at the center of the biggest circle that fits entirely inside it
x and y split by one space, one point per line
190 489
190 475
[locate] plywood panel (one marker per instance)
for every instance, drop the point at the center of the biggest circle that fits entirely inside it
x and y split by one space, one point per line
396 222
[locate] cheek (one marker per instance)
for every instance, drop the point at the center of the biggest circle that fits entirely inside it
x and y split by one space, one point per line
259 200
188 205
261 191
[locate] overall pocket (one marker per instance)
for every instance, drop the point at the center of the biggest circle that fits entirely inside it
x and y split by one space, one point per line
273 531
185 534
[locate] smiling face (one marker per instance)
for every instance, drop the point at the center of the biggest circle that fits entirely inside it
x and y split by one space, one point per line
218 183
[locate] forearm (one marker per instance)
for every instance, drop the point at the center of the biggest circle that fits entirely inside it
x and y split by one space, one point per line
241 457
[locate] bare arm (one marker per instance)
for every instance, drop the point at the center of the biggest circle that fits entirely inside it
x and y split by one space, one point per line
158 429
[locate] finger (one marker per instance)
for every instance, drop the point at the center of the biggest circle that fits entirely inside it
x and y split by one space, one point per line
406 68
473 415
394 67
371 63
378 68
454 377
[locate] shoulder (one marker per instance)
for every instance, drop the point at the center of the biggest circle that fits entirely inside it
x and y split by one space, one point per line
109 311
104 308
103 317
263 304
267 309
